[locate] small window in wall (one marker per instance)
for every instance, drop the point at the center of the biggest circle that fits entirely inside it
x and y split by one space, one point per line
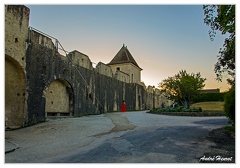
132 77
118 68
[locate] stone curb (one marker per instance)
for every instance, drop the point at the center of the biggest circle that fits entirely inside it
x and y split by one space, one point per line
193 114
10 146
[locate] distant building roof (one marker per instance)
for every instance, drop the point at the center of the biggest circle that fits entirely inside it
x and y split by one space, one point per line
123 56
210 90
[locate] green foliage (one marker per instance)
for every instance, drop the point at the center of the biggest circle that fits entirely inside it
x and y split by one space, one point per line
183 86
230 129
222 18
177 109
229 105
208 97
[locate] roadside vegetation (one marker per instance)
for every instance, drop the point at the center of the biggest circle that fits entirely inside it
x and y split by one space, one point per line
182 87
197 109
213 106
230 130
221 18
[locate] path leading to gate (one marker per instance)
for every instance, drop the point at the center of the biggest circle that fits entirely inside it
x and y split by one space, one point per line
132 137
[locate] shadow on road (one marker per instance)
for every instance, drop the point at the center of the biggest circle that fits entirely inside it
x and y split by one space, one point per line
213 122
178 144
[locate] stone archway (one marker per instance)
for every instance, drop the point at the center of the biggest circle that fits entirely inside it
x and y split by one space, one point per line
59 99
15 90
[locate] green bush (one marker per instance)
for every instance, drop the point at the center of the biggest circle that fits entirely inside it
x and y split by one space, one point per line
176 109
229 105
206 97
179 108
171 109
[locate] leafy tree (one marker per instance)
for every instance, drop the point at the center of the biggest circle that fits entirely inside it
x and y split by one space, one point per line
222 18
229 105
183 86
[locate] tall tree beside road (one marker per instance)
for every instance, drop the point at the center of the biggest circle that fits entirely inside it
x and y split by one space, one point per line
183 86
222 18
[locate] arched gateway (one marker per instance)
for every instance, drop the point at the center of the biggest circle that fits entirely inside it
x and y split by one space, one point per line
59 98
15 90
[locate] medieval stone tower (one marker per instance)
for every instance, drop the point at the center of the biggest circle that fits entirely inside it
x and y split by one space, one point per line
124 62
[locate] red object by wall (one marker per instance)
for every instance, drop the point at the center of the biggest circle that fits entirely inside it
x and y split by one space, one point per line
124 109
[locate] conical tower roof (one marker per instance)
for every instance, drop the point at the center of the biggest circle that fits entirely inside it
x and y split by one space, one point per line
123 56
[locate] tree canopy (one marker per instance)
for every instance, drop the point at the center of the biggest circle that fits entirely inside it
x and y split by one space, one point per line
222 18
182 86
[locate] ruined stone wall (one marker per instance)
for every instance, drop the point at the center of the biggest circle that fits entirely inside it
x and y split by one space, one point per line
157 98
80 59
16 34
40 82
154 98
149 97
16 25
104 69
89 91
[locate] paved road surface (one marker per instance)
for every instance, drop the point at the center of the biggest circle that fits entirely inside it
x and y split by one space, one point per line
132 137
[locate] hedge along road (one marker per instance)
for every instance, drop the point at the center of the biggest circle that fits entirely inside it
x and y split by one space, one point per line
131 137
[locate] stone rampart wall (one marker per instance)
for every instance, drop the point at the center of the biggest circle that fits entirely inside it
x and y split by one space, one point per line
51 84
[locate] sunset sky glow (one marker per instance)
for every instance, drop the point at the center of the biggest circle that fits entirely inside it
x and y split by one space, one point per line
163 38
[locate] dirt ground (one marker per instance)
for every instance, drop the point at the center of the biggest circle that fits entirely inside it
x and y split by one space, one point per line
224 142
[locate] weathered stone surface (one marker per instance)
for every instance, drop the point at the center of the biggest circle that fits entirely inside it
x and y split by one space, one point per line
41 82
16 33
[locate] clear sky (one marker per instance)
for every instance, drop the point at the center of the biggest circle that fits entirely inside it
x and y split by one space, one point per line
163 39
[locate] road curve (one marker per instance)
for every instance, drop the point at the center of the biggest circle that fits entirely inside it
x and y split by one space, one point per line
131 137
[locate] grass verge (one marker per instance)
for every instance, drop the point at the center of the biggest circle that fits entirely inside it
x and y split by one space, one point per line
209 106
